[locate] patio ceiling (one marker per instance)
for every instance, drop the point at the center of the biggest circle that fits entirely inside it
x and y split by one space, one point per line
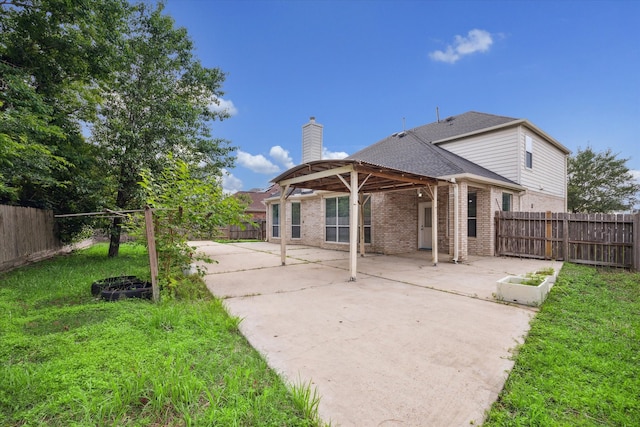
356 177
333 175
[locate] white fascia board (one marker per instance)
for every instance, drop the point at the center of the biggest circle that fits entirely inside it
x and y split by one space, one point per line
546 136
316 175
483 180
314 194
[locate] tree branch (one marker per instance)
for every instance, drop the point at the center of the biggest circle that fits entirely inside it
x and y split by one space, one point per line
13 3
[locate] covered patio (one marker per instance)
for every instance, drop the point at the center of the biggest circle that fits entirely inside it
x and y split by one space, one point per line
357 178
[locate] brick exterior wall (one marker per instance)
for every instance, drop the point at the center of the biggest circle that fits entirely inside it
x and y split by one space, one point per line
532 201
463 247
395 222
478 245
394 219
312 214
445 220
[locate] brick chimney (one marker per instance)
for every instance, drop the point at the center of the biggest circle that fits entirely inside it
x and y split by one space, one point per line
311 141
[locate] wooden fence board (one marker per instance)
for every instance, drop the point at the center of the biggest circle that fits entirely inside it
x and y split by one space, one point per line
596 239
248 231
26 234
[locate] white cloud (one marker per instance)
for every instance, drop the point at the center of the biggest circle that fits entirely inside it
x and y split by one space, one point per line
635 174
223 105
476 41
258 164
230 183
281 156
330 155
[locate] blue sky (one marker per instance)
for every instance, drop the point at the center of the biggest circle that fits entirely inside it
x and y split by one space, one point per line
362 67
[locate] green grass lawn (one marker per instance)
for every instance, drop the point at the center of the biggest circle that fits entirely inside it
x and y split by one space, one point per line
580 363
69 359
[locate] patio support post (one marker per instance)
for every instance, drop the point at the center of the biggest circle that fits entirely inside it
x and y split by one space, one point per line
456 225
283 229
434 224
353 225
361 203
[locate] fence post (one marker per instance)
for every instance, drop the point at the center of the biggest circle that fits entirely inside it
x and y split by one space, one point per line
548 235
636 241
565 237
153 255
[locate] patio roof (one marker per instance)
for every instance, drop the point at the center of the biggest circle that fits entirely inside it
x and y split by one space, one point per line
356 177
332 175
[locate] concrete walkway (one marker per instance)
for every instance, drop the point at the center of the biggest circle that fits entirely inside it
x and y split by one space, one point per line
407 344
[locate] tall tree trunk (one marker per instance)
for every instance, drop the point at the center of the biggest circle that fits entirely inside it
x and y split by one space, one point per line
114 243
116 227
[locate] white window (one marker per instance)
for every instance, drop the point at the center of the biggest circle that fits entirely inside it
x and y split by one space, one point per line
506 202
472 220
275 220
295 220
337 219
528 147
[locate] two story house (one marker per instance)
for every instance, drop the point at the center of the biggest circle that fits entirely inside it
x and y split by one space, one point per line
435 187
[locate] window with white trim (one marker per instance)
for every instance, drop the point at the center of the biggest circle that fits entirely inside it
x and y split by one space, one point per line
275 220
336 215
528 148
295 220
506 201
471 215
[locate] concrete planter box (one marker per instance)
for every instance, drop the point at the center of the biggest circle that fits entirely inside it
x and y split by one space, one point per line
189 270
511 289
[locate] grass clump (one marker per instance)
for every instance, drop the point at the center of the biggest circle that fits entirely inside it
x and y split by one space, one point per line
535 279
580 363
548 271
69 359
532 279
306 399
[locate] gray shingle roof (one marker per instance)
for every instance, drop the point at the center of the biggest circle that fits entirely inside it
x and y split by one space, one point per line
471 121
413 150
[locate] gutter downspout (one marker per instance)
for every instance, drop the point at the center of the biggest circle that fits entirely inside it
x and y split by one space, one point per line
353 225
456 226
282 225
434 225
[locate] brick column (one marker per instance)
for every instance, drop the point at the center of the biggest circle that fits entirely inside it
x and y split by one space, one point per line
463 197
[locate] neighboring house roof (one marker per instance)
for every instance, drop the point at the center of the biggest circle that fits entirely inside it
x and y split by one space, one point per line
413 150
257 198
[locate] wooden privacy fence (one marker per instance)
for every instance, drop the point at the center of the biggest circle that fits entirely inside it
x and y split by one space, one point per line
26 234
257 231
596 239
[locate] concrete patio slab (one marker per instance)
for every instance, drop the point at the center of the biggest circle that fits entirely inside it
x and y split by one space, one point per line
277 281
230 258
407 344
475 278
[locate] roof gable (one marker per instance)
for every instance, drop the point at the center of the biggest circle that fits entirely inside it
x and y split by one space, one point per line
413 151
461 124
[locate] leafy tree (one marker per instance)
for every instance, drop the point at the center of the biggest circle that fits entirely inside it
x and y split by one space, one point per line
600 182
55 56
25 126
187 203
158 105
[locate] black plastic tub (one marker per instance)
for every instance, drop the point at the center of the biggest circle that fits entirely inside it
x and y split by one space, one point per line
120 287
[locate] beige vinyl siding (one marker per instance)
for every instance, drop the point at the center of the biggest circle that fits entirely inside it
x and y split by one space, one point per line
496 151
548 174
